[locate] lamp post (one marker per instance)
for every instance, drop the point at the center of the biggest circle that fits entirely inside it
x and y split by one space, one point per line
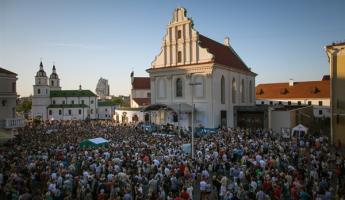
192 84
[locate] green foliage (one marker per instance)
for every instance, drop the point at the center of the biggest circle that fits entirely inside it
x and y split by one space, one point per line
25 106
119 101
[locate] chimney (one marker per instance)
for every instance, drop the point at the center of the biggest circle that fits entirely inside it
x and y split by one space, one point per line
227 41
291 82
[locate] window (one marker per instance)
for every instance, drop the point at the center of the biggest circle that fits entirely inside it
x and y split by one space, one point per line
222 90
280 103
179 35
320 103
69 112
38 91
320 112
149 94
79 111
271 102
63 102
91 101
13 112
234 91
54 102
91 111
72 102
14 87
161 88
52 83
39 81
3 102
82 101
262 102
299 103
178 87
309 103
289 103
250 92
60 112
50 112
179 56
242 91
106 110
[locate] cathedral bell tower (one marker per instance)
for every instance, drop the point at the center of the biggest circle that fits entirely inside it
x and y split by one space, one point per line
54 81
41 83
41 94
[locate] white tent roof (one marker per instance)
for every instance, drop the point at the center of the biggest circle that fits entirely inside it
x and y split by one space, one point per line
98 140
300 127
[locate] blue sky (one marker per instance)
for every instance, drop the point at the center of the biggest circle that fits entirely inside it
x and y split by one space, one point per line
87 40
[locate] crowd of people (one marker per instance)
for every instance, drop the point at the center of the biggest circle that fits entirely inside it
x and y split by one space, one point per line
45 161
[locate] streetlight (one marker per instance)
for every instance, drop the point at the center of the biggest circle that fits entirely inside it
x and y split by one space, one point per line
192 84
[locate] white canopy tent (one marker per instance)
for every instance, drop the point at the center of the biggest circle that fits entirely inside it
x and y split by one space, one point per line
299 131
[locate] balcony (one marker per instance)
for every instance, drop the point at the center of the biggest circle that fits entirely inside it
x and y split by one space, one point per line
14 123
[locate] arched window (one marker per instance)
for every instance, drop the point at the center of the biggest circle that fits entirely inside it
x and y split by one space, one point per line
38 91
179 35
234 91
222 90
178 87
242 91
179 56
250 91
52 83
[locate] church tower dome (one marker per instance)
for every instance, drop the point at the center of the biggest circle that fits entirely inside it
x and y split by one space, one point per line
41 72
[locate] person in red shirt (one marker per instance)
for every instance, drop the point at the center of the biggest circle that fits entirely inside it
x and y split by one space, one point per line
184 194
266 186
294 193
277 192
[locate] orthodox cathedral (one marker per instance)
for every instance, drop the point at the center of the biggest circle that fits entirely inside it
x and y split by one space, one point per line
49 102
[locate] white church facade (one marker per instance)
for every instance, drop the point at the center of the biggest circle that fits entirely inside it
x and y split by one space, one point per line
49 102
194 69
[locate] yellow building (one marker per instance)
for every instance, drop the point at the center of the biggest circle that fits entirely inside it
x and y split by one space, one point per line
336 59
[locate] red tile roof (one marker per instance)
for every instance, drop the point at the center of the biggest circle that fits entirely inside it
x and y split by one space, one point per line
142 83
142 101
223 54
307 89
5 71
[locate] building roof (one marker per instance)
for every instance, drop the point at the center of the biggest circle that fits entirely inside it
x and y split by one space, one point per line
299 90
142 83
142 101
72 93
67 106
223 54
335 44
5 71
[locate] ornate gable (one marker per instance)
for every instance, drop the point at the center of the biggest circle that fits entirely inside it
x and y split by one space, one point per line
180 44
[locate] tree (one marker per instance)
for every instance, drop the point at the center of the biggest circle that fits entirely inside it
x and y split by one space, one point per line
24 107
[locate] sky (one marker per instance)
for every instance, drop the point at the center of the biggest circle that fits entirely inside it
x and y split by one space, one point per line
87 40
